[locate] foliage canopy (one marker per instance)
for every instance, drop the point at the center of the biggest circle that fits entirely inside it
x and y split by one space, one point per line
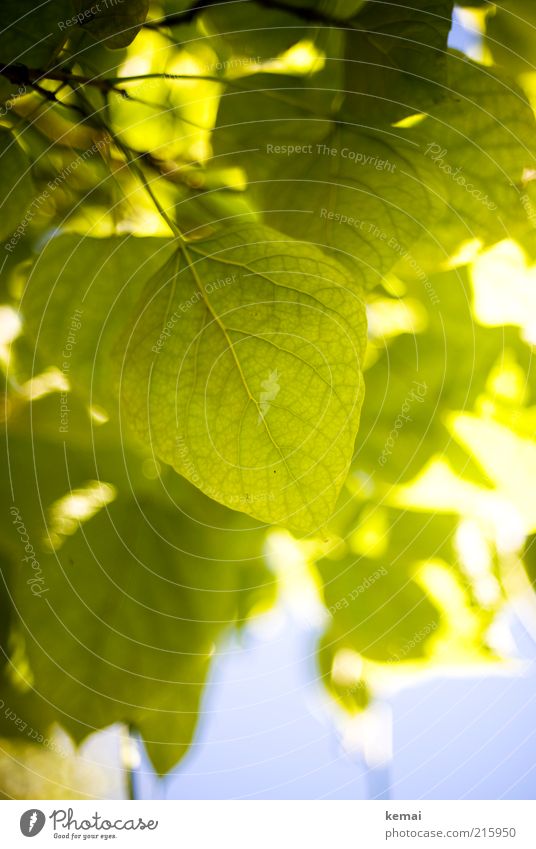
202 207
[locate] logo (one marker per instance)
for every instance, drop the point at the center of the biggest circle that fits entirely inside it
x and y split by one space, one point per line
31 822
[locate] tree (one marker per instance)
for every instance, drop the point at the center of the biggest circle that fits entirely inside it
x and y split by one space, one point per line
202 207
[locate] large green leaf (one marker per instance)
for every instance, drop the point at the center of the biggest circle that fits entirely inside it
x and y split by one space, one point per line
243 365
365 195
241 361
371 195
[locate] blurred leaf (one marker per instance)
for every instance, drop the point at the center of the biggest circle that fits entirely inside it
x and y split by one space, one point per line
396 60
508 459
130 598
419 378
127 627
408 605
510 35
245 34
117 24
5 605
366 196
529 558
68 319
481 140
16 185
277 108
31 36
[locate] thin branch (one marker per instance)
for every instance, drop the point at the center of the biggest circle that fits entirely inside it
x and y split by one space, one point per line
110 84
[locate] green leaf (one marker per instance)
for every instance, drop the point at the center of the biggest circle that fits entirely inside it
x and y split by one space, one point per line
375 602
366 196
509 35
31 35
127 627
395 60
117 24
481 140
16 186
396 598
135 586
377 611
529 559
5 605
244 35
67 319
280 108
243 367
441 363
